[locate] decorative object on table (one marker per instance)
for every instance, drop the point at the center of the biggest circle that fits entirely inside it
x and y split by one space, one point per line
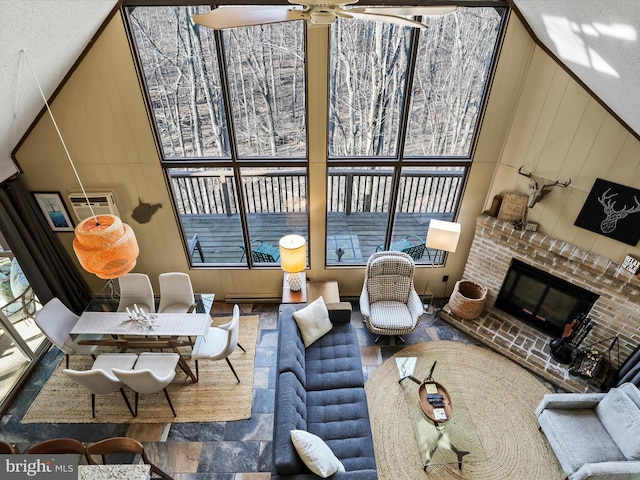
144 319
563 348
433 398
104 245
467 299
514 207
538 192
143 212
54 210
293 259
518 224
612 210
631 264
531 226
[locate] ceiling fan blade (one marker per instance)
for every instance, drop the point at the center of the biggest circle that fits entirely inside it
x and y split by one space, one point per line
412 11
231 17
405 22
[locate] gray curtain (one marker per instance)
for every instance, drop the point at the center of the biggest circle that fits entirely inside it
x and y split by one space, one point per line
42 257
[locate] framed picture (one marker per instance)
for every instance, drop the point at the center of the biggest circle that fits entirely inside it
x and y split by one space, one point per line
54 210
612 210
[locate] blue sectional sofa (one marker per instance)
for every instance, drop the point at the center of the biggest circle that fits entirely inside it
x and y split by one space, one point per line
320 389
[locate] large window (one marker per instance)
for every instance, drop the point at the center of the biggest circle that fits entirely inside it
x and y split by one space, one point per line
230 118
405 107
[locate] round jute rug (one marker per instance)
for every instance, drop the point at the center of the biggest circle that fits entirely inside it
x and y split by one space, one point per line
501 398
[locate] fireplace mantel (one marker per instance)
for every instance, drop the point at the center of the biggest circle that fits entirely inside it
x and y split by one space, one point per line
616 312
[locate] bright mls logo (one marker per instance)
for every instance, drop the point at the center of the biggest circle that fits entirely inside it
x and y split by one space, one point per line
45 467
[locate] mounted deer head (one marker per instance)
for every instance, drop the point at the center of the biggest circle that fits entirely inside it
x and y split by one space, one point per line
537 193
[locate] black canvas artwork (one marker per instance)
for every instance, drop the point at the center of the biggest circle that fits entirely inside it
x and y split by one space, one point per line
612 210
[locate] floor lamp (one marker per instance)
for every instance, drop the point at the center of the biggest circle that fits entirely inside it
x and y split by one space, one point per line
442 235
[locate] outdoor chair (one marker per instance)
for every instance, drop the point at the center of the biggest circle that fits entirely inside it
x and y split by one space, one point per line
119 446
15 290
262 252
412 245
388 302
219 342
136 289
100 380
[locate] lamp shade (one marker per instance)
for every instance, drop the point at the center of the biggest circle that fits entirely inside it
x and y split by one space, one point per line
293 253
105 246
443 235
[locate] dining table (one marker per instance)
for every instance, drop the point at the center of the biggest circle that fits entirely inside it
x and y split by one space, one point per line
134 330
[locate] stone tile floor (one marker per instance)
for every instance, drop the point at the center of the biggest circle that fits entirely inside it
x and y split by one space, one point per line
238 450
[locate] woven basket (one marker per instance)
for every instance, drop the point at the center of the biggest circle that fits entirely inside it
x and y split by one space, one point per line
467 299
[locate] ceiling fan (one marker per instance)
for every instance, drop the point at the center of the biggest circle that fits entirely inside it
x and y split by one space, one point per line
315 12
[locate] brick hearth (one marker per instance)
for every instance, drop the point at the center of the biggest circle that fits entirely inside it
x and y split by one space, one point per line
616 311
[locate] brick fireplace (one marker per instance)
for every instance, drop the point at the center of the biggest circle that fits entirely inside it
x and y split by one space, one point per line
616 311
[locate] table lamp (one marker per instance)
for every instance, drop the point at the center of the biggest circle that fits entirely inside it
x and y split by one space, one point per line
442 235
293 259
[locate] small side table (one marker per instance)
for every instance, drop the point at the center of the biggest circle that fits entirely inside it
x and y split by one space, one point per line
289 296
327 290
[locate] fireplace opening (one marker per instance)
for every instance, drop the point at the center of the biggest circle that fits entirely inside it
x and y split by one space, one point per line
542 300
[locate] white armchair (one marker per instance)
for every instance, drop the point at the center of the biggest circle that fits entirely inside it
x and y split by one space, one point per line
389 302
594 435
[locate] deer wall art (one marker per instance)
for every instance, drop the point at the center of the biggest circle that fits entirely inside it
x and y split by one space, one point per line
612 210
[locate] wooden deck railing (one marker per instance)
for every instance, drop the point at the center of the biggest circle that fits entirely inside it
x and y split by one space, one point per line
349 191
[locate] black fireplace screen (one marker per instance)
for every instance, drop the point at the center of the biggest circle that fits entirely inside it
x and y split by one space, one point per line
542 300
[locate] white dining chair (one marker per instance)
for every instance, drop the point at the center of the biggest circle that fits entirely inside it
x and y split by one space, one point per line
56 321
136 289
100 380
219 342
152 372
176 293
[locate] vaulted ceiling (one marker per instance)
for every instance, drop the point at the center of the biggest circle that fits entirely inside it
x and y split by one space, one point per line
597 40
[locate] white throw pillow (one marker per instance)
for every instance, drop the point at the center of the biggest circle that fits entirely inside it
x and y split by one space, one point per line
316 454
313 321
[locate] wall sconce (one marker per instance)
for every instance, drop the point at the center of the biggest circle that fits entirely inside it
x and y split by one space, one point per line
442 235
293 259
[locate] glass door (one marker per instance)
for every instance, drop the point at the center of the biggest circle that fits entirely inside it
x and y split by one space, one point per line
21 341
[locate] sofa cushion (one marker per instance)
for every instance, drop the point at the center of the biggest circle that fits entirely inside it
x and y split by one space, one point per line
19 282
341 418
620 416
313 321
291 350
290 414
334 360
316 454
592 445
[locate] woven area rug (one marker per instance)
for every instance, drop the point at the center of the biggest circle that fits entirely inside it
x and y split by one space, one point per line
501 398
217 397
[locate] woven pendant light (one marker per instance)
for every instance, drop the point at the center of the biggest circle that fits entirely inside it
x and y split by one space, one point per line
105 246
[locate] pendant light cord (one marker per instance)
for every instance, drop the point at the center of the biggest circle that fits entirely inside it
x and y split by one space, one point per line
55 124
